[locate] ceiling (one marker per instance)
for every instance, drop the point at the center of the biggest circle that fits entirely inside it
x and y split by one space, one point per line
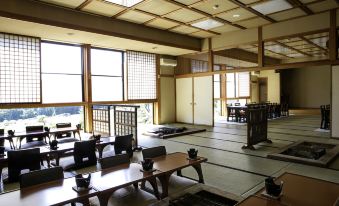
298 47
200 18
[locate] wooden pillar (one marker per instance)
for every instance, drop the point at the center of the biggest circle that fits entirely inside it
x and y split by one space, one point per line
223 92
260 48
210 56
87 88
157 105
333 35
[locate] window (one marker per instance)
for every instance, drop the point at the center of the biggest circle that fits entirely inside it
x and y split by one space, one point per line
61 73
230 85
18 119
19 69
141 74
199 66
238 85
243 88
107 75
217 86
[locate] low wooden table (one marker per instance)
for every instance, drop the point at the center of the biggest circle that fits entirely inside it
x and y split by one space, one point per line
54 132
170 163
52 193
109 180
302 191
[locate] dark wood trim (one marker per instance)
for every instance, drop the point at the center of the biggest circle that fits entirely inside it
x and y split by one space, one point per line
189 7
296 35
210 55
39 12
270 67
313 44
292 48
261 49
297 3
84 4
258 14
333 36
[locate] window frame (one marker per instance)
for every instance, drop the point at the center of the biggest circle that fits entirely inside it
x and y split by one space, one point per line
82 71
40 99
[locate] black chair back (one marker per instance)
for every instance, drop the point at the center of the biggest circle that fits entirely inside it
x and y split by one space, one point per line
19 160
123 143
41 176
38 137
113 161
154 152
64 125
2 141
84 153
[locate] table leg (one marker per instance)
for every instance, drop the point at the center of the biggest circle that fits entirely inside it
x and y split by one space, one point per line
154 185
100 151
164 180
197 168
104 197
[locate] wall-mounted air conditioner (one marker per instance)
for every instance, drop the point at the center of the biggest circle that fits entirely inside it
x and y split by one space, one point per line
168 62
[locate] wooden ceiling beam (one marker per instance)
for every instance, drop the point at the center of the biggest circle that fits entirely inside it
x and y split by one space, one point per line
130 8
42 13
313 44
189 7
83 4
297 3
244 55
178 22
244 6
291 48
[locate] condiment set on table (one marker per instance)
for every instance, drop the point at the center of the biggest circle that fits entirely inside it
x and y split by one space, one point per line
272 190
82 183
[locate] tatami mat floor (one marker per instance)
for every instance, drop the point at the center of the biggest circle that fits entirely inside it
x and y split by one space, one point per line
242 172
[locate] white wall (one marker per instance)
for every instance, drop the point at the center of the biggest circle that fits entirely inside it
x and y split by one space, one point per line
335 101
273 84
307 87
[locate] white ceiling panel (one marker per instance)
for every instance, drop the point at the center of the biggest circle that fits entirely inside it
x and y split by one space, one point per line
102 8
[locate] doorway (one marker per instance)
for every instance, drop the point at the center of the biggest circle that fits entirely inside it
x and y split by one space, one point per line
263 89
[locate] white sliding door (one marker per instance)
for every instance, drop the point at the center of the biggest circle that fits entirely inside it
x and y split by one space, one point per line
184 92
203 100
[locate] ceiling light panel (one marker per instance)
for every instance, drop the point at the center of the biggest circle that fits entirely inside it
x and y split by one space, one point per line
269 7
207 24
127 3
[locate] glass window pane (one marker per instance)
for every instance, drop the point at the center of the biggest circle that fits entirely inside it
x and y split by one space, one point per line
58 88
106 62
244 84
106 88
18 119
230 85
58 58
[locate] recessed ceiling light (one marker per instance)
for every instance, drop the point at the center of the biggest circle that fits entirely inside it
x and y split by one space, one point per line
216 6
269 7
236 15
154 47
127 3
207 24
70 34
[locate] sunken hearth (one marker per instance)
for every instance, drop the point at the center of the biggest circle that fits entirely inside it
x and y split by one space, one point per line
311 153
202 198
